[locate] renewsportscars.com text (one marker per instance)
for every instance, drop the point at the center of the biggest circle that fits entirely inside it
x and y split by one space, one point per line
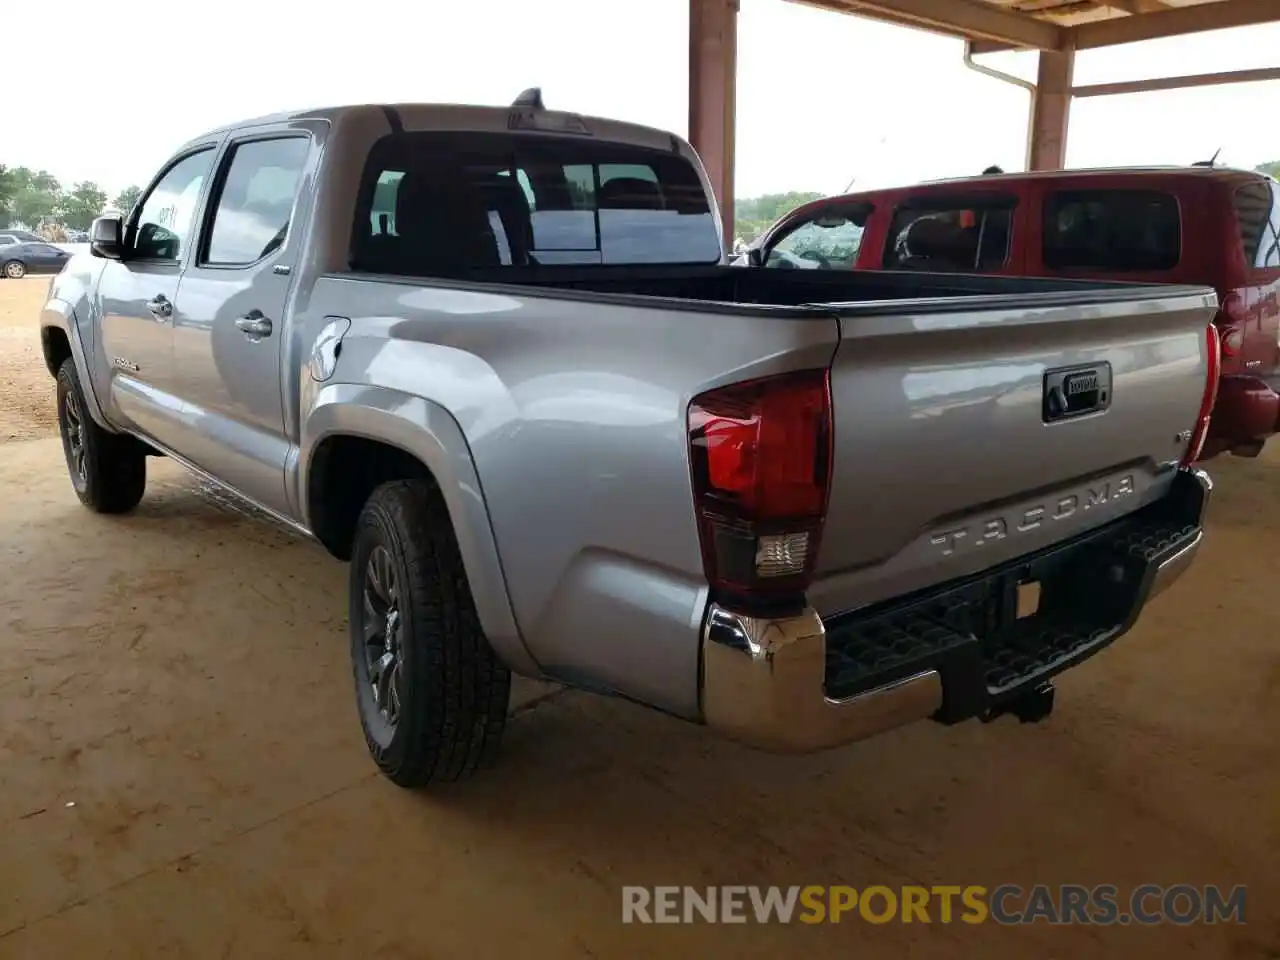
1007 904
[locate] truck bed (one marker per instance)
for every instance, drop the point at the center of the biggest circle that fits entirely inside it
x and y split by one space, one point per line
704 287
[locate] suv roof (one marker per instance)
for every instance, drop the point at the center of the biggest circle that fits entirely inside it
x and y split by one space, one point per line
1223 173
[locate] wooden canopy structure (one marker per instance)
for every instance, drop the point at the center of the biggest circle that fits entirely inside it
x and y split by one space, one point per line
1056 28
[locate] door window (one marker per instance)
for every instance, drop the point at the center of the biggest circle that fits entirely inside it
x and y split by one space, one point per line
1128 230
166 215
255 201
952 234
830 240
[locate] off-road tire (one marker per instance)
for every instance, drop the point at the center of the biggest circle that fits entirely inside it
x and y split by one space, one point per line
453 691
115 465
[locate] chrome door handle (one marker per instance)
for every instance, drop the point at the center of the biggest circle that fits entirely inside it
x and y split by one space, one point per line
160 307
254 325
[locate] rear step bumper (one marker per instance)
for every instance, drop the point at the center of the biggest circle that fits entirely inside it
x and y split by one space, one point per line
953 652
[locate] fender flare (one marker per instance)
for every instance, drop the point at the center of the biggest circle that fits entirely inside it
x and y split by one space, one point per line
428 432
59 314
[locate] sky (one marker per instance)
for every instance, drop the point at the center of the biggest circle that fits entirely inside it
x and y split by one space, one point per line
825 101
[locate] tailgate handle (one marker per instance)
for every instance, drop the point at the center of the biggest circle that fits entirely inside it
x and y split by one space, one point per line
1075 391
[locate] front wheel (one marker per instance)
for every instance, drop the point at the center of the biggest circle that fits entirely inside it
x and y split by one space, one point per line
431 692
15 269
108 470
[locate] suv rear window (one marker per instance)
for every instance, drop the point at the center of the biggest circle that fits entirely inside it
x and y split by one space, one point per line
443 203
1258 211
1112 230
954 234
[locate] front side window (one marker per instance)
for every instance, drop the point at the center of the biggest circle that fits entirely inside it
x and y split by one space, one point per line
436 203
830 240
166 216
951 234
255 202
1122 230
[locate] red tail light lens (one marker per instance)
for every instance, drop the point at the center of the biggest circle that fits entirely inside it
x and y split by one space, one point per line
1232 339
1213 346
760 452
1231 325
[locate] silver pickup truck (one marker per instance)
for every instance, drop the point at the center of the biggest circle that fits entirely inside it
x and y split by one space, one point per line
494 358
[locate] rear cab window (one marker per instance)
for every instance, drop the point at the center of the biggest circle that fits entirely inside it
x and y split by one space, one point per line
1130 231
1257 206
951 233
443 203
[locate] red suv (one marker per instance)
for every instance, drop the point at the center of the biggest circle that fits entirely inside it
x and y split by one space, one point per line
1200 225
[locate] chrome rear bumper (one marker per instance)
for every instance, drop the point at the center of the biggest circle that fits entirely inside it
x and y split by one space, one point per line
768 682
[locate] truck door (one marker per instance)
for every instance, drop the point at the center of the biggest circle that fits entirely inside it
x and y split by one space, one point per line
230 338
137 299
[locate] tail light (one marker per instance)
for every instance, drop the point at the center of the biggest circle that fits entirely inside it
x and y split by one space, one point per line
760 452
1214 372
1231 325
1232 339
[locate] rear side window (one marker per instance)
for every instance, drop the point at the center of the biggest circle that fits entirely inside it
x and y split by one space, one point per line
955 234
1258 212
438 204
1123 230
255 200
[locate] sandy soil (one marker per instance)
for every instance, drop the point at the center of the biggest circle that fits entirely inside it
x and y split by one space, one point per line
182 775
24 408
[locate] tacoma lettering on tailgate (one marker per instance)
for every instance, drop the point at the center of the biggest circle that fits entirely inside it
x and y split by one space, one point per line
1025 519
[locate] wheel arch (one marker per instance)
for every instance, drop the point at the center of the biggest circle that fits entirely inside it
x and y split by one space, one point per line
357 436
60 339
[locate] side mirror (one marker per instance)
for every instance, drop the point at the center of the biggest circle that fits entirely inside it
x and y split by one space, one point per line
755 257
106 238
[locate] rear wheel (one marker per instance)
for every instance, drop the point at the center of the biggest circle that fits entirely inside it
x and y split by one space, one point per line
432 694
15 269
108 470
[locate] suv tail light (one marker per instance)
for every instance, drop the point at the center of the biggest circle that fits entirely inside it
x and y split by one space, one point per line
1231 324
1214 348
760 453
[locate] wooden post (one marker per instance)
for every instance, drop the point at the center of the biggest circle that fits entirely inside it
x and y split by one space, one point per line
713 62
1050 111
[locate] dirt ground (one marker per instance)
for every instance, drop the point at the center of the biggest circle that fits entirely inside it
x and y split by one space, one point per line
182 774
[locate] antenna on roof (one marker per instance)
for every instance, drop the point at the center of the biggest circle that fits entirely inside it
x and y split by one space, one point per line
992 170
1210 162
531 98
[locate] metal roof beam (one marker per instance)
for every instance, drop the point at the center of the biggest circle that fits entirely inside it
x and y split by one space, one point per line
1177 83
962 18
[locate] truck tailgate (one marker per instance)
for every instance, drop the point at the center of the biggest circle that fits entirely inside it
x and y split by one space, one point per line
970 434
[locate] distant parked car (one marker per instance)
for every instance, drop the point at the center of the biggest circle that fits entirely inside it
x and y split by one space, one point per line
9 237
19 259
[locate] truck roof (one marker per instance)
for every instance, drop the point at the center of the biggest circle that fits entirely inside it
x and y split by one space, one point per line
462 117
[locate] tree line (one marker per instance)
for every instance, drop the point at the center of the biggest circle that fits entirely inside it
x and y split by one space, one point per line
35 200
